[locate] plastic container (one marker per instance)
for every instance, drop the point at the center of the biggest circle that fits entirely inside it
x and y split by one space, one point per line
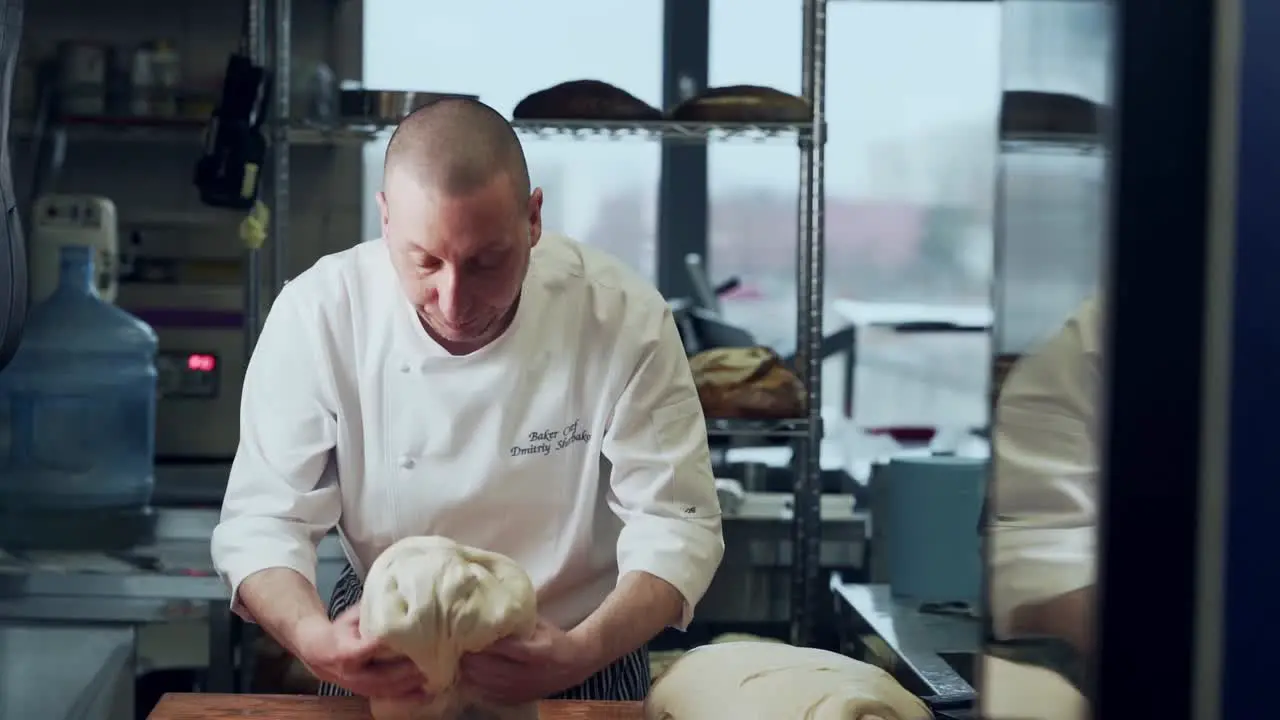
929 508
78 402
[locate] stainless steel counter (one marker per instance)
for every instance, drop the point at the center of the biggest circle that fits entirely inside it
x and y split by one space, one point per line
753 584
76 673
931 653
171 579
64 618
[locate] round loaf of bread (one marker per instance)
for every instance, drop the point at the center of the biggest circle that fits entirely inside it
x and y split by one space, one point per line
744 103
585 100
749 383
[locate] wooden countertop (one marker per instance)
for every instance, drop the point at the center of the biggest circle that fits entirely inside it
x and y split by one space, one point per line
200 706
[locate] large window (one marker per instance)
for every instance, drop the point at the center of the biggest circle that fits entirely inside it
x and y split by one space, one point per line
601 193
1053 226
912 96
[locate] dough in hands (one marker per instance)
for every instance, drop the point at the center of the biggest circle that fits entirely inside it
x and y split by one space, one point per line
775 681
433 600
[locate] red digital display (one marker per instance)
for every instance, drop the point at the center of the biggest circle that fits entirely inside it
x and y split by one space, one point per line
201 363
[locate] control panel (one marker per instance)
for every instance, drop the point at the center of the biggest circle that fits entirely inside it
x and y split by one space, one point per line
188 374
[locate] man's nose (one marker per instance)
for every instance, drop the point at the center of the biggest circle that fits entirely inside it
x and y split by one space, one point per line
450 298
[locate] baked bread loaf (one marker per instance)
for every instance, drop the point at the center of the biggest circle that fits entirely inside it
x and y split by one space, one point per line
747 382
585 100
743 103
1029 112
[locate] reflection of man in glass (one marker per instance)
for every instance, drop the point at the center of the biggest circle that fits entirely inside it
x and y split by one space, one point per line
1042 535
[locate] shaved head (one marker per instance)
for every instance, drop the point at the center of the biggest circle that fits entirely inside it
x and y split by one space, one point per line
459 219
456 146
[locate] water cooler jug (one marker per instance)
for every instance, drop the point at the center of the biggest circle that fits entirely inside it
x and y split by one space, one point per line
78 405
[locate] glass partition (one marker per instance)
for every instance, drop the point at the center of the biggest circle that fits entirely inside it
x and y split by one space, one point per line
1041 518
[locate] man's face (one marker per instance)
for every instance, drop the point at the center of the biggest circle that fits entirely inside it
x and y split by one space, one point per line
461 260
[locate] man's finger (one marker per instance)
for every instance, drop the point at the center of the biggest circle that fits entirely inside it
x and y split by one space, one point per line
490 670
512 648
361 650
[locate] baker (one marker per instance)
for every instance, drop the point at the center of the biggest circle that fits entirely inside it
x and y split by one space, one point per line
1042 546
470 377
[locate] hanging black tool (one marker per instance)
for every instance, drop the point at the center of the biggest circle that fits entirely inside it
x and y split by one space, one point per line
13 259
229 174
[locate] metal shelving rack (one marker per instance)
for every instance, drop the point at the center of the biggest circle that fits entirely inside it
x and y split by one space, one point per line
807 588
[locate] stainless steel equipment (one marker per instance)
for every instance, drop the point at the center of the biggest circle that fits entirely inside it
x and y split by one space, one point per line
357 105
68 620
754 579
201 365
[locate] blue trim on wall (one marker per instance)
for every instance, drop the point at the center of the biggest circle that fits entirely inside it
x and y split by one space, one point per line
1251 632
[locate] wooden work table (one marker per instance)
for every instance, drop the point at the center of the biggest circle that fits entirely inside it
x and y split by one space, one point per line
199 706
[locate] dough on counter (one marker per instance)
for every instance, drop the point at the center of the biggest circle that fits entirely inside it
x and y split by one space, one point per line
1012 691
434 600
775 681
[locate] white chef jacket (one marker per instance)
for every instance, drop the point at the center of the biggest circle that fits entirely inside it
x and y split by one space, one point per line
1044 500
574 443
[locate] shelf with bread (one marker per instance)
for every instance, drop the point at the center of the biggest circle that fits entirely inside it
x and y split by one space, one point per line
750 393
591 109
660 130
1036 121
177 131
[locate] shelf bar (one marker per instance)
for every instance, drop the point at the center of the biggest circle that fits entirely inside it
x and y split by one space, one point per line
722 427
806 545
280 199
661 130
256 44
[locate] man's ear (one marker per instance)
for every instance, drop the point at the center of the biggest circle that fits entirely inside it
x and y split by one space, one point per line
383 215
535 217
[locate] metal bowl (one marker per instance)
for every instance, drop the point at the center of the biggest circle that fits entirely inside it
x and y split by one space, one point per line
364 106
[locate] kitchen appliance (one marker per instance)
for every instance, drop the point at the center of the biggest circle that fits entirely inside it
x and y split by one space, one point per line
200 365
358 105
60 221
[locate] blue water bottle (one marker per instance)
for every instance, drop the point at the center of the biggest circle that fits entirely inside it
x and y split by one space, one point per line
78 402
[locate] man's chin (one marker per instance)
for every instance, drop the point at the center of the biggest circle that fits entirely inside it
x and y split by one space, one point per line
465 333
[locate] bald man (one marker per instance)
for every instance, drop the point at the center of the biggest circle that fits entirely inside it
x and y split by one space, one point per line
468 376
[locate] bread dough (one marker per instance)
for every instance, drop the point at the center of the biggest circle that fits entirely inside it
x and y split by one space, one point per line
434 600
775 681
1011 691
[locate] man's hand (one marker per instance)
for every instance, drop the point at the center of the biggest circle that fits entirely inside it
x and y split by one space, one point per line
1067 617
336 652
523 670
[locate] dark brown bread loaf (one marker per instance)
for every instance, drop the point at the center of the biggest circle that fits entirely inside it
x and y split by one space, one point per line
750 383
743 103
585 100
1028 112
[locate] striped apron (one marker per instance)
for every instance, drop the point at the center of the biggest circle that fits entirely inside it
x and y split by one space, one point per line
626 679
